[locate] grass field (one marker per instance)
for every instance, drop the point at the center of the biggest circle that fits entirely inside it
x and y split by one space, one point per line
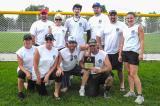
148 72
10 42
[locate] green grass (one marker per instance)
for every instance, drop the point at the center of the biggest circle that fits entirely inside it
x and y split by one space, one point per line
11 42
148 72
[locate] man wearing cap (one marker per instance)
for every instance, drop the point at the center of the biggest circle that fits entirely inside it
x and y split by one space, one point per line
46 67
97 73
25 64
113 37
98 21
77 25
69 58
40 28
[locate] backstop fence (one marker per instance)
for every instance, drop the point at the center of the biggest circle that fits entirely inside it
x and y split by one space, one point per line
13 29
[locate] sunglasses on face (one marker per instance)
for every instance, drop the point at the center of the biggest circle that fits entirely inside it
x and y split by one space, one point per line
58 19
92 45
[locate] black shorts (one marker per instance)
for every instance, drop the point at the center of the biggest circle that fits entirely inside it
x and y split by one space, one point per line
130 57
42 88
31 84
94 82
116 65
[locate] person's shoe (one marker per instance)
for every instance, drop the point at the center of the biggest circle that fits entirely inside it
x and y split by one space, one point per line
139 100
64 89
56 97
122 90
130 94
21 95
82 92
106 95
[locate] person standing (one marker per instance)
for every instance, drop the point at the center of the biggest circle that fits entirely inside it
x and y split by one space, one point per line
113 37
40 28
77 25
132 52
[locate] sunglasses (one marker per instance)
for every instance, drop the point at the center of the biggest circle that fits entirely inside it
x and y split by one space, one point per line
58 19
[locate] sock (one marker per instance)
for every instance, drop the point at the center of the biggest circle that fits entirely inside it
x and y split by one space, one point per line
82 86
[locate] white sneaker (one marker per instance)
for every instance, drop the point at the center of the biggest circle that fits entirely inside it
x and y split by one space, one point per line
64 89
82 92
139 100
130 94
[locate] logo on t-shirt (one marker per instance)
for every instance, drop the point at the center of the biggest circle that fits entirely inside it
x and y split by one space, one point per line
75 56
132 32
80 24
100 21
100 61
63 31
117 29
54 56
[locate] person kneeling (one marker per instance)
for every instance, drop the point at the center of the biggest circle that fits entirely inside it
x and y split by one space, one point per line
96 72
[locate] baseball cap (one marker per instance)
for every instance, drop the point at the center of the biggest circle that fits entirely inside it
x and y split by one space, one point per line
77 6
96 5
27 37
44 11
92 42
49 37
71 39
112 12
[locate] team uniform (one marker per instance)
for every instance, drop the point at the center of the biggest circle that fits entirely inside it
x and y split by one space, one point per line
97 23
59 35
131 45
27 56
95 80
69 65
112 37
47 60
77 29
39 29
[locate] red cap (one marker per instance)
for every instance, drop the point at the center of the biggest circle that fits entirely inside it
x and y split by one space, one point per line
44 11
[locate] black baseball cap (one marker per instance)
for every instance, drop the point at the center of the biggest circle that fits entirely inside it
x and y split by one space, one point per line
27 37
112 12
49 37
77 6
92 42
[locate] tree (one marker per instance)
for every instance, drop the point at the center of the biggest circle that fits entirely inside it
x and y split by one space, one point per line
24 22
103 8
3 25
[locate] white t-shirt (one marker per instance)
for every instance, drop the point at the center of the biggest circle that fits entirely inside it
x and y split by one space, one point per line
131 39
59 35
99 58
112 36
27 56
69 60
97 23
77 29
46 61
39 29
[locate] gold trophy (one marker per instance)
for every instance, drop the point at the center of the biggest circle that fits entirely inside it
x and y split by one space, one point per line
89 62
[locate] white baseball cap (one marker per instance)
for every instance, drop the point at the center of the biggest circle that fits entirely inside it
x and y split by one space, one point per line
71 39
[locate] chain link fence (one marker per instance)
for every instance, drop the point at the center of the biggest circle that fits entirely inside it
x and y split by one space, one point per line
13 29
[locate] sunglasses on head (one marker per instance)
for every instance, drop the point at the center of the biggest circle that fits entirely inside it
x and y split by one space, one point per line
58 19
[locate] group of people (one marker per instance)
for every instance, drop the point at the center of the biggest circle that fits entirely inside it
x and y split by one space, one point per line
55 52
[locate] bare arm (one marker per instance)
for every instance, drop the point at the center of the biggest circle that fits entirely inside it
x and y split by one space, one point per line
36 62
141 38
98 39
107 66
33 39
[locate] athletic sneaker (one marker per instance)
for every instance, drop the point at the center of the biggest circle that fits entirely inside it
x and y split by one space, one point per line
106 95
64 89
130 94
122 90
82 92
140 99
21 95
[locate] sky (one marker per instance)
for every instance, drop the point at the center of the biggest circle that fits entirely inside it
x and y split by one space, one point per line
143 6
